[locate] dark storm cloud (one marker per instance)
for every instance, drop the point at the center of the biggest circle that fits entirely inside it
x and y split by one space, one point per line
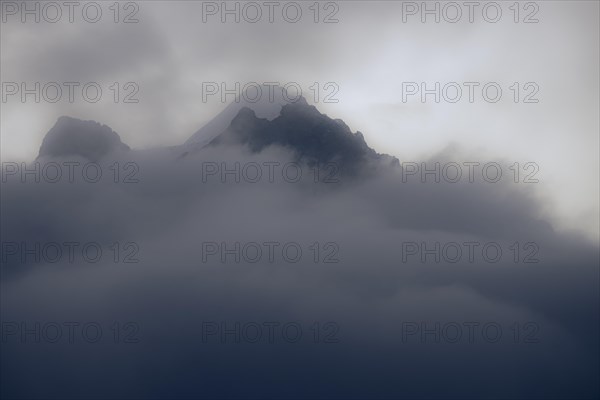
370 294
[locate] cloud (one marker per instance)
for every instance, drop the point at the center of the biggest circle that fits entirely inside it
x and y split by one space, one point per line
178 261
181 289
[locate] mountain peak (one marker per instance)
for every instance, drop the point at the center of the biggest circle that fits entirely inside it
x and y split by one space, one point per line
266 101
300 127
74 137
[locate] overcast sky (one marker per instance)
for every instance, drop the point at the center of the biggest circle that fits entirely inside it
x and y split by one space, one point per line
537 276
367 54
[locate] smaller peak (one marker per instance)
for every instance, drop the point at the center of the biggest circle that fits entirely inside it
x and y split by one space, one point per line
246 112
81 126
65 118
88 139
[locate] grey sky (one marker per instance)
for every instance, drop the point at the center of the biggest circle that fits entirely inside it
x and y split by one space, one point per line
371 290
367 54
